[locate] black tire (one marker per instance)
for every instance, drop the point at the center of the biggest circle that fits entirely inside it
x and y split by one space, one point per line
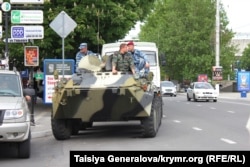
188 99
215 100
195 100
24 148
76 126
151 124
61 128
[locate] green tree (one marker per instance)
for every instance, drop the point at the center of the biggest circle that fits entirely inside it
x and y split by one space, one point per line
98 22
245 59
185 33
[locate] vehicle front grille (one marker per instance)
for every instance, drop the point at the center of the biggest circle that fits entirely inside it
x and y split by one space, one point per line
207 93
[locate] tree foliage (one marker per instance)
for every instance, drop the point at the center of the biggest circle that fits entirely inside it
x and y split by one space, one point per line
185 34
245 59
98 22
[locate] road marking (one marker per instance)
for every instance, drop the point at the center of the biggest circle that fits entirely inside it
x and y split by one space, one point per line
228 141
164 116
198 105
212 108
232 112
196 128
176 121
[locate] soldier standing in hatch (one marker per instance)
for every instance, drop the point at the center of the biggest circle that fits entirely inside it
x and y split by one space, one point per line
83 52
122 60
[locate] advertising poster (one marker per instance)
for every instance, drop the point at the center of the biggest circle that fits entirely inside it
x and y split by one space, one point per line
31 56
202 78
50 65
217 73
243 81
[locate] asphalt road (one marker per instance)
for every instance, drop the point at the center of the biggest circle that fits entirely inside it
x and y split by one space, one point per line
185 126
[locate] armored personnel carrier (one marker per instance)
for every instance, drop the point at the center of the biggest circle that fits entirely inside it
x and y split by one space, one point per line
94 95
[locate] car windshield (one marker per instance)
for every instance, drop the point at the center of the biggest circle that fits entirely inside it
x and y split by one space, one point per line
9 85
167 84
203 86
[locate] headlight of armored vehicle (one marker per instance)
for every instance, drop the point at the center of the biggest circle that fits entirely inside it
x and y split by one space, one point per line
13 114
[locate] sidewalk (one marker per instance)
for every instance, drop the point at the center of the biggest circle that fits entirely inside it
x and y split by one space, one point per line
42 115
233 95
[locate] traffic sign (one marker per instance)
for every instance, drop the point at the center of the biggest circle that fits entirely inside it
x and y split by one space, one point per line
26 16
1 31
63 24
6 6
10 40
27 1
27 32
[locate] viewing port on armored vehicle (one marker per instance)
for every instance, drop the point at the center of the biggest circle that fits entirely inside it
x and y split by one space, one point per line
94 94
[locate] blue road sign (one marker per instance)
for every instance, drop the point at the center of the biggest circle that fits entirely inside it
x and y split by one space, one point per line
17 32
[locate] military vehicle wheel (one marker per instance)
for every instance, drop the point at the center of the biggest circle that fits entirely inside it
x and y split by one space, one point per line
24 148
151 124
61 128
76 126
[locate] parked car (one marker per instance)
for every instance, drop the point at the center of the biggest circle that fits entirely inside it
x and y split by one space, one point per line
14 112
201 91
168 88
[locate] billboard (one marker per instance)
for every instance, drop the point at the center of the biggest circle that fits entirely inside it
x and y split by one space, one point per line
202 78
31 56
217 73
243 81
50 65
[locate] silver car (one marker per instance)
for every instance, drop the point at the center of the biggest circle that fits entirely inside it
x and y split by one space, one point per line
168 88
14 113
201 91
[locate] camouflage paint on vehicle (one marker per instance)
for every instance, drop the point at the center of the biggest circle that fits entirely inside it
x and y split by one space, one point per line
94 95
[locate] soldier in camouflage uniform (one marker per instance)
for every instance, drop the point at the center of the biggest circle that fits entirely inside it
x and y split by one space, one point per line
122 60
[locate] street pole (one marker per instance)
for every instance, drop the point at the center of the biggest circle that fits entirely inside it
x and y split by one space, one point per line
6 53
217 54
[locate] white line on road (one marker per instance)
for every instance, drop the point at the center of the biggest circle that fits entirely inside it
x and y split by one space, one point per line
196 128
232 112
198 105
228 141
212 108
176 121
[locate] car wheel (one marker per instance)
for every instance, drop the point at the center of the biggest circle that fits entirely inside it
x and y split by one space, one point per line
188 99
194 98
215 100
24 148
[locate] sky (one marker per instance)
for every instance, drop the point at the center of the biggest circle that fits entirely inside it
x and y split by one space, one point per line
238 13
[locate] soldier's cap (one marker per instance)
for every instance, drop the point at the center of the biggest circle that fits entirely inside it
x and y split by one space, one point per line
83 45
131 43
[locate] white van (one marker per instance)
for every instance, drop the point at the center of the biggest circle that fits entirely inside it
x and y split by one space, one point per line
149 48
